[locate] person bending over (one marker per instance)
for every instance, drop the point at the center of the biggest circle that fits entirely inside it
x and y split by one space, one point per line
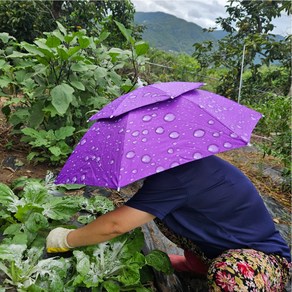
209 208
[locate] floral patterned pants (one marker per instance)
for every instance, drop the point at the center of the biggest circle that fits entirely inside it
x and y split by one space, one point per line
248 270
234 270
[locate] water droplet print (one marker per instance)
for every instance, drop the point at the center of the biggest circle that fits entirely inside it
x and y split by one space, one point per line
135 133
159 169
146 118
159 130
197 155
130 154
83 141
146 158
213 148
199 133
174 135
174 164
227 145
169 117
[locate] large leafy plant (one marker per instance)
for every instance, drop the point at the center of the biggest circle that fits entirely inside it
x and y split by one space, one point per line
54 83
30 208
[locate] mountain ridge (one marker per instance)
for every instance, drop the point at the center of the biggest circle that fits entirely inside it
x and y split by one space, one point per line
178 34
172 34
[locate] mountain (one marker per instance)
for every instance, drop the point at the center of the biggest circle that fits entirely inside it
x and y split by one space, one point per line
169 33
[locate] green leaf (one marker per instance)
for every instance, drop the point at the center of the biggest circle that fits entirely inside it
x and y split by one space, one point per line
103 36
37 116
100 73
58 35
79 67
5 37
35 222
33 49
111 286
5 81
64 132
62 28
16 54
84 42
53 42
73 50
126 32
61 208
77 84
7 197
62 53
55 150
12 229
159 261
12 252
141 48
62 96
24 212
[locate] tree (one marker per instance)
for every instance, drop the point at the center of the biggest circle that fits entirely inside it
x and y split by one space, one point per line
26 20
249 25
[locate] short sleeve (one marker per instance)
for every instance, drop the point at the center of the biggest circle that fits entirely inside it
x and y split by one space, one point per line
161 194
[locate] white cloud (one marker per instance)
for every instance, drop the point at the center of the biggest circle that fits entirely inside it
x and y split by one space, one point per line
201 12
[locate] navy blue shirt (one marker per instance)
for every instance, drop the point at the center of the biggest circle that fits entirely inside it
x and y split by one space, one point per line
212 203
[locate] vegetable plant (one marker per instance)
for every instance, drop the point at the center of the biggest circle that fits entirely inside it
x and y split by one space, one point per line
30 208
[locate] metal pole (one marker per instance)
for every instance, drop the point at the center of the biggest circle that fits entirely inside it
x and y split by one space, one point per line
241 73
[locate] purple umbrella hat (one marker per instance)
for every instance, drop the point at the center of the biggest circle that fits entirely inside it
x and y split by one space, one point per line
120 150
145 95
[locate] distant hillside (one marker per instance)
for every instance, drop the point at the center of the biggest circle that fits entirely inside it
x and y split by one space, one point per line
169 33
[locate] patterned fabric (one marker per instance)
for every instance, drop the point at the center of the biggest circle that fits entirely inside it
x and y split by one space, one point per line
242 270
248 270
182 242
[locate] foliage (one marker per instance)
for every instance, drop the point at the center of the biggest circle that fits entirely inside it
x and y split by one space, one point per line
26 217
163 67
57 81
26 20
276 125
249 24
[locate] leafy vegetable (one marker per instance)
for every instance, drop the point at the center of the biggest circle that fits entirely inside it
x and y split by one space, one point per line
27 217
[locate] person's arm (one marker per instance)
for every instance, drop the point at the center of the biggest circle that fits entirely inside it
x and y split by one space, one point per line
108 226
102 229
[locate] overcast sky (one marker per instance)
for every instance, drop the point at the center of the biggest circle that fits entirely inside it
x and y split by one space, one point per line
201 12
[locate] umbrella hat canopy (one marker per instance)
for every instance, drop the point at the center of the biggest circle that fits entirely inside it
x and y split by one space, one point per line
145 96
118 151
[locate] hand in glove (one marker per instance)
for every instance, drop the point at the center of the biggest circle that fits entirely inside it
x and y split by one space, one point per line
57 240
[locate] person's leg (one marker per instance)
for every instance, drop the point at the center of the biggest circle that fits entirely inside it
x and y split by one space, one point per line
188 263
247 270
